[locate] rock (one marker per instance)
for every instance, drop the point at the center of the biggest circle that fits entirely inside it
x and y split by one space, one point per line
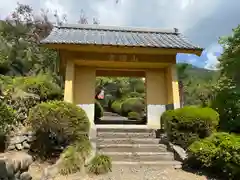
17 175
10 169
26 145
18 139
20 160
25 176
19 147
180 152
3 169
11 147
31 138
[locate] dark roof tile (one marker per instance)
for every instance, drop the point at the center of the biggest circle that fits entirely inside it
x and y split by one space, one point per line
118 36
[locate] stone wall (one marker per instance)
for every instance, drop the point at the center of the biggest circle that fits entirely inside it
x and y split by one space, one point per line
20 141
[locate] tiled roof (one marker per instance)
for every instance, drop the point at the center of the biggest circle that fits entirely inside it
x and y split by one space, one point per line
117 36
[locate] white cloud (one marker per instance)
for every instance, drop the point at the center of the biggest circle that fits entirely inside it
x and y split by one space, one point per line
212 59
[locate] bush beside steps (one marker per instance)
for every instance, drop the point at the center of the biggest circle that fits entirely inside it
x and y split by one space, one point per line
219 154
188 124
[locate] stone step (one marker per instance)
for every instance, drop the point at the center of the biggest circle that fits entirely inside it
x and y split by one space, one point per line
125 135
120 121
124 130
140 156
175 164
101 141
132 148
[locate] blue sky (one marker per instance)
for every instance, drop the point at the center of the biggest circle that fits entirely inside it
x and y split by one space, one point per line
202 21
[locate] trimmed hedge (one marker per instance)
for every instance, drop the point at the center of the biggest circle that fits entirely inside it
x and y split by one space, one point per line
116 107
186 125
219 153
57 123
133 105
134 116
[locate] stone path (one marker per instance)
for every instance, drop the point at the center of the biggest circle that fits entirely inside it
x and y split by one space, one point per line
125 173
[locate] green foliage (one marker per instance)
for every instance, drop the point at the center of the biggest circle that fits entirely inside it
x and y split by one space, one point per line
57 123
227 91
219 153
22 93
8 118
98 110
100 164
41 85
117 107
133 105
134 116
74 157
188 124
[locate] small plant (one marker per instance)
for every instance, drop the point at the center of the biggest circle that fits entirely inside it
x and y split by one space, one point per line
74 157
100 164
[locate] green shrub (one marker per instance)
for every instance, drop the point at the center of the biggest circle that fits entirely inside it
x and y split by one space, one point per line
117 107
7 119
57 123
98 110
133 105
100 164
134 116
185 125
41 85
135 95
219 153
74 157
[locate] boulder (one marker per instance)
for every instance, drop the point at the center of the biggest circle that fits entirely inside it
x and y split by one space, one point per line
25 176
19 147
18 139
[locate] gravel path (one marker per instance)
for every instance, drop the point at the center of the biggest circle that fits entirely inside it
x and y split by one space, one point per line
138 173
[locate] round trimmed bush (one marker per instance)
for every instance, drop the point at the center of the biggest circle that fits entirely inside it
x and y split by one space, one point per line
57 123
116 107
219 153
98 110
134 116
133 105
185 125
100 164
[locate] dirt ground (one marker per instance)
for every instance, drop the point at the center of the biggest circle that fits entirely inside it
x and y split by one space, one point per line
124 173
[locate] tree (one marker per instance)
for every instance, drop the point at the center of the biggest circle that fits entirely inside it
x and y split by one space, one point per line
227 97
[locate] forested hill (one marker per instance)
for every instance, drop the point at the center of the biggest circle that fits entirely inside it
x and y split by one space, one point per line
196 83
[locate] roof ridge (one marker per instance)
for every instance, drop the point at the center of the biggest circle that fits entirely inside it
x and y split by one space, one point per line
118 28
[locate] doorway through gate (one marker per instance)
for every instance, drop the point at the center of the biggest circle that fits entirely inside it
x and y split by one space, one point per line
120 97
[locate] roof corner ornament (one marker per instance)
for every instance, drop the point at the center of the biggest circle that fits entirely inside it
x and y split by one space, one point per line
176 30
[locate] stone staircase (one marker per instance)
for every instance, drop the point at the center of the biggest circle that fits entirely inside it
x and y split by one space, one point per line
133 146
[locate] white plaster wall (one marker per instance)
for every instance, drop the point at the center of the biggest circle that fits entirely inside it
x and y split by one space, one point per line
89 109
154 113
176 105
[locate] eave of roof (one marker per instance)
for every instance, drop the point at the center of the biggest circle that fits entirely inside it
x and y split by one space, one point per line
120 37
